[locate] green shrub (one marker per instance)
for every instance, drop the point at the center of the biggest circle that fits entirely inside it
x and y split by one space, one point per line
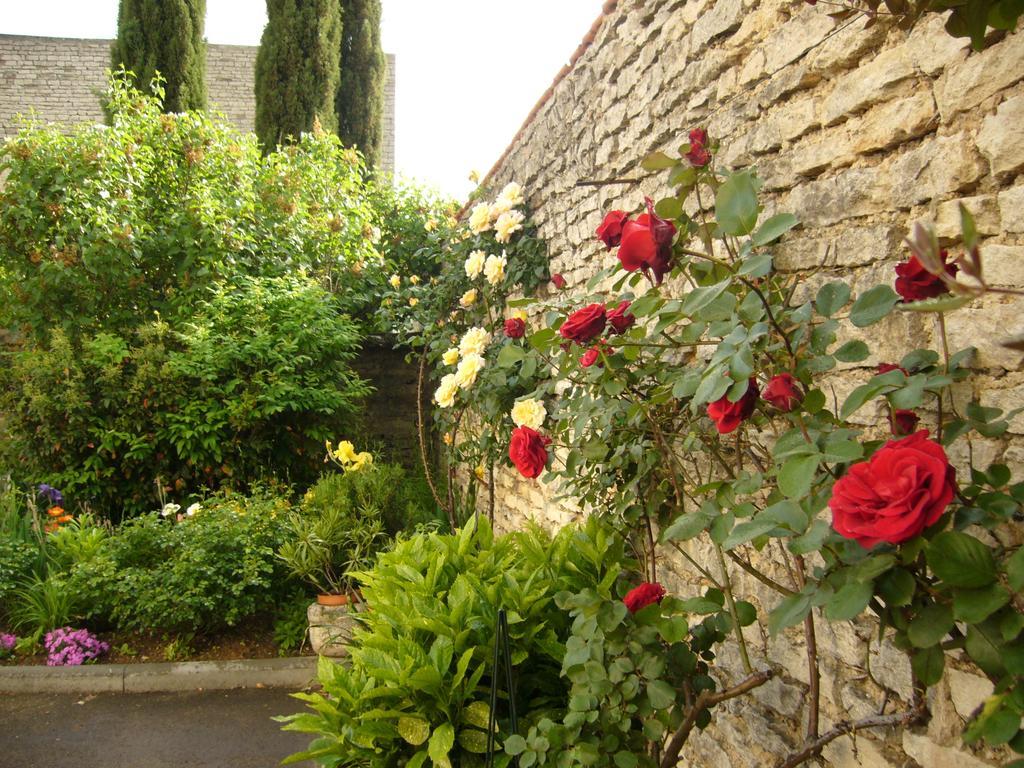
18 560
420 672
205 573
41 604
252 385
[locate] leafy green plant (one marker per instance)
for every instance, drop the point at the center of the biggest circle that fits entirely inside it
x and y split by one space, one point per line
291 624
40 605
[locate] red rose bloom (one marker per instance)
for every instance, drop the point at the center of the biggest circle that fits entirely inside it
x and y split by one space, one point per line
699 155
591 356
886 367
914 282
903 422
619 319
585 324
515 328
783 392
528 450
727 416
558 280
897 493
610 231
640 597
647 244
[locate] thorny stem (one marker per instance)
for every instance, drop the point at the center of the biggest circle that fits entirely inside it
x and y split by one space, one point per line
813 672
420 432
653 559
700 568
731 604
706 700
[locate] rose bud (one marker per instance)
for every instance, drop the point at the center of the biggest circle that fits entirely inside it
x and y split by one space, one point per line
914 282
783 392
610 230
728 415
515 328
643 595
886 367
558 280
903 422
619 318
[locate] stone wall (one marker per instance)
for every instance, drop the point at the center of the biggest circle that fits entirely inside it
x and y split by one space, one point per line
860 132
62 79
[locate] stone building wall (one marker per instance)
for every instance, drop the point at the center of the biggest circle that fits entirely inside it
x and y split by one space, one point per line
860 132
390 417
62 79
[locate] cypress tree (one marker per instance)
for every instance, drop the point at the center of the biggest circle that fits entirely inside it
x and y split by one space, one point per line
360 102
297 69
164 36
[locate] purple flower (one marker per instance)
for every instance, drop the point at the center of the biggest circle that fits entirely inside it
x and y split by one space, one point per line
56 497
66 647
7 643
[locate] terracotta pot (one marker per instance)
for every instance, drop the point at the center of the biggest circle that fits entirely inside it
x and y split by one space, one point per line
332 599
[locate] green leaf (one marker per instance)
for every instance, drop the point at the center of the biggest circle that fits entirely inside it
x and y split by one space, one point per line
758 265
473 741
515 745
961 560
660 694
477 713
872 305
938 304
791 610
930 625
774 228
669 208
1015 570
747 531
658 161
441 742
831 298
699 298
984 645
673 629
797 475
688 525
414 730
975 605
510 355
736 206
849 601
625 759
852 351
928 664
897 587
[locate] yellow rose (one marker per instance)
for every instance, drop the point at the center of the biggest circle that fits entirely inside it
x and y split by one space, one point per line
494 269
529 413
474 342
346 452
413 301
469 367
512 194
468 299
396 281
451 356
444 396
507 224
475 264
415 279
480 218
519 314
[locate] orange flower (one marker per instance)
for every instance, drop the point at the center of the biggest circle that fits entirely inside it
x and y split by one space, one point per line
65 519
55 511
51 527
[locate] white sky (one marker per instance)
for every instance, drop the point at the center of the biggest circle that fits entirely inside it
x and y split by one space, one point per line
468 71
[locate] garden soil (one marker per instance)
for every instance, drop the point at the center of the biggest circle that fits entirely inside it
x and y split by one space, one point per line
216 729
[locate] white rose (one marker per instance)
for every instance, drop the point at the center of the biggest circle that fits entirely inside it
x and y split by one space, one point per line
529 413
465 374
475 264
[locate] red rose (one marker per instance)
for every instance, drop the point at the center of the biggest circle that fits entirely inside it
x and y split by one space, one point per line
619 319
528 450
640 597
585 324
591 356
914 282
903 422
558 280
647 244
783 392
699 155
897 493
515 328
886 367
727 416
610 231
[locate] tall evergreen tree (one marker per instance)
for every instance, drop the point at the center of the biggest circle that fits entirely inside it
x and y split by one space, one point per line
164 36
360 102
297 69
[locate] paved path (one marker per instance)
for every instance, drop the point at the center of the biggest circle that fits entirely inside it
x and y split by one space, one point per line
216 729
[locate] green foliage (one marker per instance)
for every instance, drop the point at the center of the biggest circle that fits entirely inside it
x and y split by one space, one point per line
165 38
417 685
207 572
42 604
254 382
291 623
360 98
18 559
297 69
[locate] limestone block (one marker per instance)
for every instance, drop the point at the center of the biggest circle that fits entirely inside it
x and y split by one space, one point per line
1008 398
724 15
1011 209
869 84
968 690
860 752
968 82
1003 264
1001 138
936 167
927 752
984 209
895 122
984 324
850 193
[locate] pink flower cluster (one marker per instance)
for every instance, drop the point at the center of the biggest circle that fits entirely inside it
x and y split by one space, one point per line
7 643
67 647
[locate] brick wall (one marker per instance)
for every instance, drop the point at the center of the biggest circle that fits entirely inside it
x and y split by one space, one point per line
860 132
62 78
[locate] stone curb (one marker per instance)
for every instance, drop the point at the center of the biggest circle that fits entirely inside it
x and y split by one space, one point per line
294 672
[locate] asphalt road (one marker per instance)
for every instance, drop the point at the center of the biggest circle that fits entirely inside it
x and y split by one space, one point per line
216 729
